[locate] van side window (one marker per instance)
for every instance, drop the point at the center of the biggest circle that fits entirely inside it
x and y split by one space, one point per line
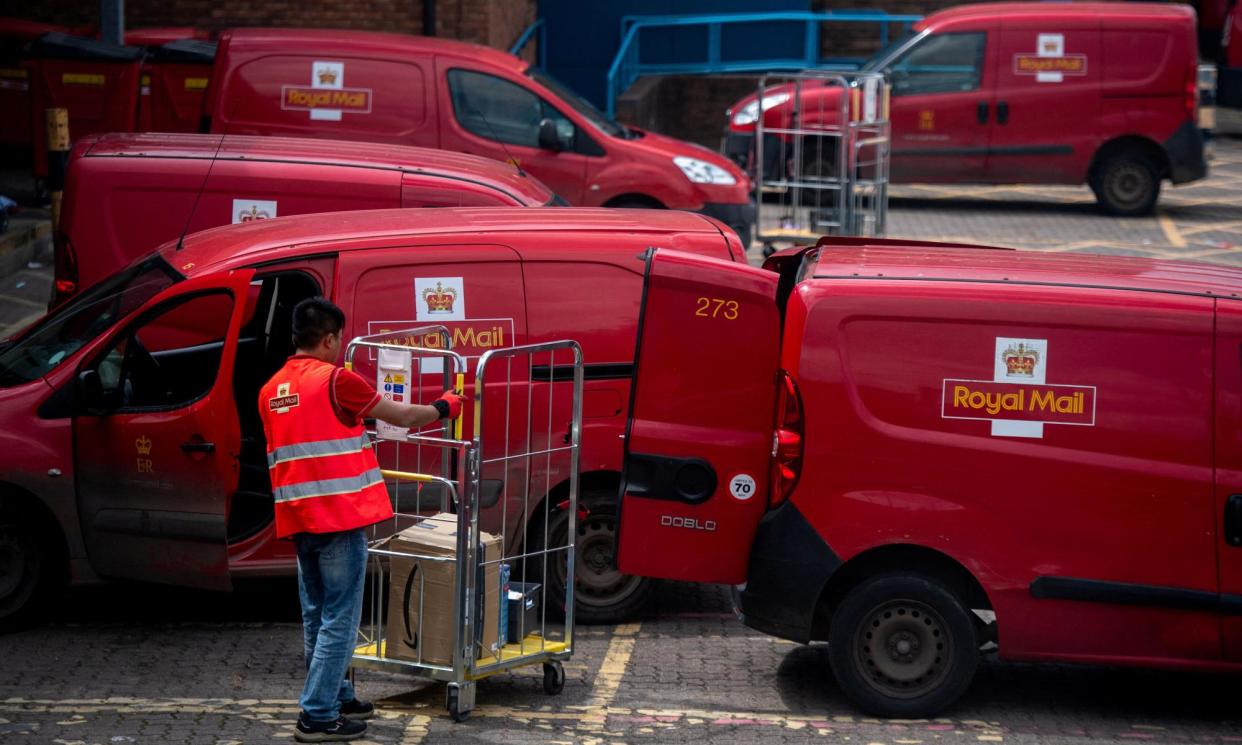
941 63
169 359
498 110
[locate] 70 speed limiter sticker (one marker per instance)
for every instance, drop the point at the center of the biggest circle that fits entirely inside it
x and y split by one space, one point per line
742 486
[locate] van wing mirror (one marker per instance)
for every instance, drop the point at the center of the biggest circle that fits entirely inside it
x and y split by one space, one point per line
549 138
91 397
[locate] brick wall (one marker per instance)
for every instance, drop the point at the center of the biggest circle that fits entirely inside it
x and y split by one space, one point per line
496 23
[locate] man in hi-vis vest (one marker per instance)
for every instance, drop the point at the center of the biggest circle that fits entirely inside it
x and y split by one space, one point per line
328 488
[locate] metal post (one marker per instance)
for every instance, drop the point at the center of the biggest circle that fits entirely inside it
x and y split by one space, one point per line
112 21
429 17
57 158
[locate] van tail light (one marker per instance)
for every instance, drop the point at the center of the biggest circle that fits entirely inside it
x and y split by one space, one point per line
65 277
786 442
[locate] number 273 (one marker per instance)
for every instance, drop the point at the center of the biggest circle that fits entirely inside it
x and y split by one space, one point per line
714 307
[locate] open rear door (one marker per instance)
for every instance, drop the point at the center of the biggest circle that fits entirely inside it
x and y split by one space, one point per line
699 439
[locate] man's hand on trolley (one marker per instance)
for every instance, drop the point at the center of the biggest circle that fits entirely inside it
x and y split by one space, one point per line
413 416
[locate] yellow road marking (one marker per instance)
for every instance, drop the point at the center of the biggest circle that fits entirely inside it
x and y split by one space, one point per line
612 669
1170 230
416 729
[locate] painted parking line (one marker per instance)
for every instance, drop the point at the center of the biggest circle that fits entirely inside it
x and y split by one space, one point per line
1171 233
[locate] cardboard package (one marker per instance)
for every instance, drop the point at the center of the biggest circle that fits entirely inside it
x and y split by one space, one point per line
435 582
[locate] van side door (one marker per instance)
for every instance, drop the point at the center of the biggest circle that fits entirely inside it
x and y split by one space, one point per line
156 437
485 114
940 107
702 409
1229 472
1046 125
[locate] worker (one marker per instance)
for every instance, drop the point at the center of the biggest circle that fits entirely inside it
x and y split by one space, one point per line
328 489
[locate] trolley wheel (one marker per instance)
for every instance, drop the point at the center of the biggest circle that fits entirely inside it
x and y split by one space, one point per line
553 678
768 250
454 706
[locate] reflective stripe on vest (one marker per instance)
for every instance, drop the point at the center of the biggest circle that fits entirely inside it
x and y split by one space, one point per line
318 449
326 487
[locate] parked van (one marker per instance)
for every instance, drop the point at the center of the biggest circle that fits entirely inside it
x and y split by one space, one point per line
159 473
1229 66
1029 93
414 90
920 449
128 193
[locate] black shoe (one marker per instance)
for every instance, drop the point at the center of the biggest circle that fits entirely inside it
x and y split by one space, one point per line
339 731
356 710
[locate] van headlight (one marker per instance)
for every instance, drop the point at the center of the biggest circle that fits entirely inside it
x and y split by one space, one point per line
702 172
749 114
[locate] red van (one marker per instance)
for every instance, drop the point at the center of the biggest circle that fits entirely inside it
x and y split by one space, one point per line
128 193
414 90
1229 67
921 449
1031 93
170 484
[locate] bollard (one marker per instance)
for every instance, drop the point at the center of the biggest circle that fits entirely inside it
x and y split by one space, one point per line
57 158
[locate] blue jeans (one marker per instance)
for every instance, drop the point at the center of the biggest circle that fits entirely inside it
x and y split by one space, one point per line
332 568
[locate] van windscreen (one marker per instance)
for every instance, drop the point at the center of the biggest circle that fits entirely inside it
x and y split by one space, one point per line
579 104
55 337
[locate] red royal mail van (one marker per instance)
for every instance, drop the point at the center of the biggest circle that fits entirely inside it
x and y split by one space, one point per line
415 90
1229 66
128 193
168 482
1030 93
911 439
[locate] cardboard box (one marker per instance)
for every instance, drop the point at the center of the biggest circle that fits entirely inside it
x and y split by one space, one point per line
435 583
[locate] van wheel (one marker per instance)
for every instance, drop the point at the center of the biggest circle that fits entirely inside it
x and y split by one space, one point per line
903 645
602 593
1126 184
29 574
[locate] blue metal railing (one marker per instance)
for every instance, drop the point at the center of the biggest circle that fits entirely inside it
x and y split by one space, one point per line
628 65
536 28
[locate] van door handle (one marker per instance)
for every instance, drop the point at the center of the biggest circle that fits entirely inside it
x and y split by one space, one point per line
981 112
198 446
1002 112
1233 520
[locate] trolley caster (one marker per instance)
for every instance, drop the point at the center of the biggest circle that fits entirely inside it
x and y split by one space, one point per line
460 701
553 678
768 250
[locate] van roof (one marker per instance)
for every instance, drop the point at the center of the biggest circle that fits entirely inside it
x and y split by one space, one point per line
492 173
1041 11
361 44
262 241
957 264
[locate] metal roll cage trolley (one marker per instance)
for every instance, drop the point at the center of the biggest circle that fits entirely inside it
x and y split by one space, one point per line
824 168
460 462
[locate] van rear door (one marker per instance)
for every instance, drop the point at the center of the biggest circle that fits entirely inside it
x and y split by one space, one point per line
699 438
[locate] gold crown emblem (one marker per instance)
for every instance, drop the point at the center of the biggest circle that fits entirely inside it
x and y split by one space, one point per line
143 444
1050 46
441 299
282 389
252 214
327 76
1020 360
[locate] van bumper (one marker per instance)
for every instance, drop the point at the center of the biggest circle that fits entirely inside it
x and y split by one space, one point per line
790 564
1185 149
737 215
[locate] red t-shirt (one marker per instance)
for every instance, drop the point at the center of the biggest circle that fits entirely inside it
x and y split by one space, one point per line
352 396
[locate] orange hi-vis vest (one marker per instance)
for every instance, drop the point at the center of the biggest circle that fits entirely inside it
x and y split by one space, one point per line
324 474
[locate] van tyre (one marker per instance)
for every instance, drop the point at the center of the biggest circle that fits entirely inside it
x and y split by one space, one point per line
1126 184
29 572
903 645
603 593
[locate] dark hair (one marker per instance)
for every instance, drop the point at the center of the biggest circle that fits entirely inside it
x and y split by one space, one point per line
313 319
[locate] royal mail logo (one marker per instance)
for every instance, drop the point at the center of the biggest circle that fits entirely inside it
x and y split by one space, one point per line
988 400
1032 64
283 400
1018 400
249 210
439 299
143 445
353 100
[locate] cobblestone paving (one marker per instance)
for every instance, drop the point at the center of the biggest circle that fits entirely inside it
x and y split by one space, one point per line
135 664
